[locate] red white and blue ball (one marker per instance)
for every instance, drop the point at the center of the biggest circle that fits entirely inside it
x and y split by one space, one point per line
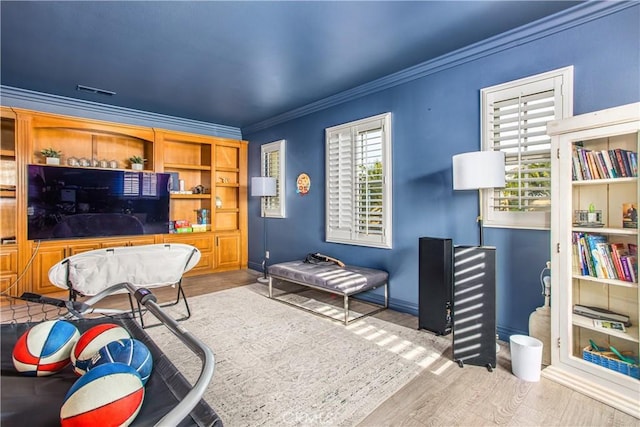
109 395
93 340
45 348
128 351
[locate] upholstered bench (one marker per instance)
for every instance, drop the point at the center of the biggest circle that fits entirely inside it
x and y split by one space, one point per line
327 276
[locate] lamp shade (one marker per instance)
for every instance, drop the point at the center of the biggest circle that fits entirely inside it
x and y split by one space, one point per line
478 169
263 186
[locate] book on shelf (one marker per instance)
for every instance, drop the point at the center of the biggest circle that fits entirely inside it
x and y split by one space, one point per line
621 162
609 324
618 251
603 164
596 257
630 215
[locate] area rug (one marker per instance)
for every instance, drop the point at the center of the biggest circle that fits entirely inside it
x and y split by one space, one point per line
277 365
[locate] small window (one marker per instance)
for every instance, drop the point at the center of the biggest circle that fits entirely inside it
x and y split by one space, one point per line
358 186
514 121
272 164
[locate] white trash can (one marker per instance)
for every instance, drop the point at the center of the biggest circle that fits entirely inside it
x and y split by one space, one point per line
526 357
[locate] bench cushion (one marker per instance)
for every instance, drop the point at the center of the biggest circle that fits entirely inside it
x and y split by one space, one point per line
346 280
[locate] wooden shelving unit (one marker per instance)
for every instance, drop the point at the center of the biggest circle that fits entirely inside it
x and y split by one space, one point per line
197 159
576 277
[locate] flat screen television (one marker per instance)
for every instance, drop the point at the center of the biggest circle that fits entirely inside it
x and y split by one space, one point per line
64 202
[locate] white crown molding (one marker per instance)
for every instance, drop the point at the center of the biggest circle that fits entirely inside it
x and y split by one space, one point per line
31 100
573 17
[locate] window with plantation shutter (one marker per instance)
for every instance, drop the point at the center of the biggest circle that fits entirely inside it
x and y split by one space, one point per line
358 182
272 164
514 121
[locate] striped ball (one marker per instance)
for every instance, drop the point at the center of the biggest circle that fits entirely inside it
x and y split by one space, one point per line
128 351
93 340
109 395
45 348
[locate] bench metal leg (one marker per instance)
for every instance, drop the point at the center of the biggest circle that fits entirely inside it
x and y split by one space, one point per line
306 286
346 310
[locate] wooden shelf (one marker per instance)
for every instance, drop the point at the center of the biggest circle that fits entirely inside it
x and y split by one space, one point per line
605 181
191 196
608 230
587 323
187 167
613 282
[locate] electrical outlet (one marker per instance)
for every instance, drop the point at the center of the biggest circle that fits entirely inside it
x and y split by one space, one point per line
266 254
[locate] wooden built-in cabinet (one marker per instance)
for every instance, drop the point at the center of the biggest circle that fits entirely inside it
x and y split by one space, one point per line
8 202
213 170
594 254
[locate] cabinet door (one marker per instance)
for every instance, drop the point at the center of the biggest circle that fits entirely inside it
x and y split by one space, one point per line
50 255
9 269
47 257
202 241
78 248
5 282
227 251
139 241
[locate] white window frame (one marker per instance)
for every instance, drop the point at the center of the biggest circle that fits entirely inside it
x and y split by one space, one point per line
561 82
342 185
274 206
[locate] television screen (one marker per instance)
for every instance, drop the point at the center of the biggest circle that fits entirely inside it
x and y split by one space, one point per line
67 202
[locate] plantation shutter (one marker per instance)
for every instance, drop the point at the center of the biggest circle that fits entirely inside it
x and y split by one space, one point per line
273 165
519 129
514 121
272 169
369 213
358 208
340 193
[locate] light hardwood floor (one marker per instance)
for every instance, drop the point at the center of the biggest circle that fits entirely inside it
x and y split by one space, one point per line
444 394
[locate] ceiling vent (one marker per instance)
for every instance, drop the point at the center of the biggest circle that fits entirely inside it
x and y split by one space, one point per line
95 90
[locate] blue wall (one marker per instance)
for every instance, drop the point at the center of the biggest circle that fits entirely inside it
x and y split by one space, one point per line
435 117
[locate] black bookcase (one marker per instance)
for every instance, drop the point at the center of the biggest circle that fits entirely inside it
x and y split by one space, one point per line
435 284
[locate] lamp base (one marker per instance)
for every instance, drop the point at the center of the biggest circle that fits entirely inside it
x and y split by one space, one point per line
263 280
